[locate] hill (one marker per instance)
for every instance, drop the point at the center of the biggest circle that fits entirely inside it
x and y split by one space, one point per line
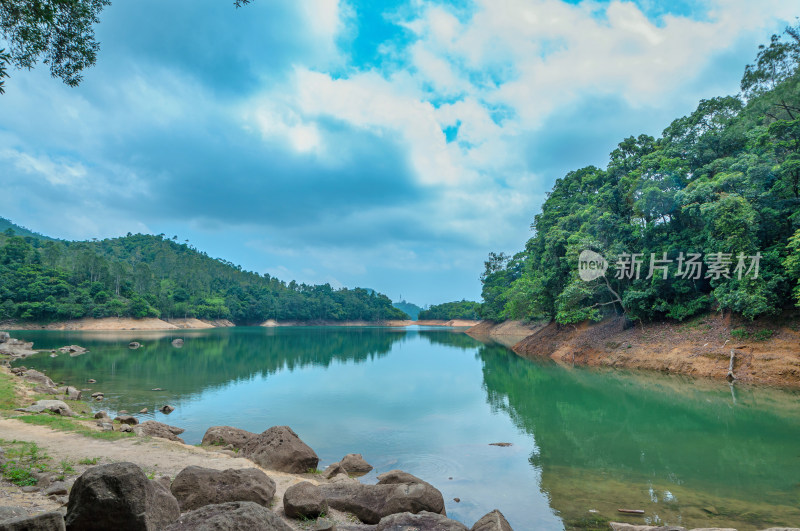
142 275
411 309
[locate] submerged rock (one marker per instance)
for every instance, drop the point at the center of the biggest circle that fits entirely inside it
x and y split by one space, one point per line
279 448
133 345
119 496
196 486
167 409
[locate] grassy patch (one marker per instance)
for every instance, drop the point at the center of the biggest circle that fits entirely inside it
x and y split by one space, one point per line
760 335
24 461
89 461
588 523
8 395
70 424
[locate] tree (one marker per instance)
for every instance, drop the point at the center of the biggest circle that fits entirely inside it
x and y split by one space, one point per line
57 32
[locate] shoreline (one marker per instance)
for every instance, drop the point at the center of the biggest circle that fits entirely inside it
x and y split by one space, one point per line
153 324
763 353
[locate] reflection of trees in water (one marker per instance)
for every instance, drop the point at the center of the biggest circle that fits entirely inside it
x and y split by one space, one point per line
631 426
217 357
450 338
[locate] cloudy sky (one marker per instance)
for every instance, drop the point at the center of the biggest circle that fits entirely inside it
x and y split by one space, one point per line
389 145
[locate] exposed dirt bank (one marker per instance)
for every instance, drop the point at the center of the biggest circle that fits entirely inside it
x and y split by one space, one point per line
765 352
507 333
117 323
454 323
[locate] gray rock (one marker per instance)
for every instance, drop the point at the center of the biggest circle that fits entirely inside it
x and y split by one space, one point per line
279 448
30 488
133 345
58 488
143 410
355 465
119 496
619 526
231 516
126 428
106 426
56 406
101 415
304 500
16 348
167 409
423 521
98 393
226 435
178 343
127 419
73 350
399 493
153 428
196 486
40 522
333 470
8 512
493 521
70 393
4 336
36 377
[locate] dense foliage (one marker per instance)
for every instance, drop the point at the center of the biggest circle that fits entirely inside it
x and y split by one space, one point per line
452 310
152 276
725 179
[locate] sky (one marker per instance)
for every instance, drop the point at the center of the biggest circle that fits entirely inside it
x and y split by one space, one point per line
389 145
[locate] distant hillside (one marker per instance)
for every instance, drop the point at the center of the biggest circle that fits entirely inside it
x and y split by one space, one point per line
463 309
6 224
141 275
409 307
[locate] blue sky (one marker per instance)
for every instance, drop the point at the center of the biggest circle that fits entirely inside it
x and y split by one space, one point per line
389 145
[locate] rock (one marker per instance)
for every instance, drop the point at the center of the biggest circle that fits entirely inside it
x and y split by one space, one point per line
126 428
617 526
56 406
98 393
36 377
503 444
166 481
195 486
177 343
493 521
279 448
334 470
106 426
8 512
58 488
98 398
167 409
156 389
396 492
16 348
457 500
40 522
30 488
101 415
73 350
226 436
159 429
61 500
355 465
71 393
119 496
143 411
239 516
133 345
4 336
91 380
304 500
423 521
127 419
325 525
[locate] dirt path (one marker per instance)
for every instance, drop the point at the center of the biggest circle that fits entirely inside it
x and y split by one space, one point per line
157 456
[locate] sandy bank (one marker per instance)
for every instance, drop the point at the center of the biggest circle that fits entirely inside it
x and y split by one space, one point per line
118 323
507 333
765 352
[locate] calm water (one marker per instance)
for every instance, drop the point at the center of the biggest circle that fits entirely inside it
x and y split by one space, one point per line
430 402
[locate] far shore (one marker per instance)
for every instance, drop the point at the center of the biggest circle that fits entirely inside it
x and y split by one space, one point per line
147 324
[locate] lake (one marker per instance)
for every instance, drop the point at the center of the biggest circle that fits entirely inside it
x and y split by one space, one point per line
430 401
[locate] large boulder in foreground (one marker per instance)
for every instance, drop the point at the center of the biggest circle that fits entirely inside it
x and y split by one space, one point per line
304 500
154 428
40 522
493 521
279 448
398 492
119 496
423 521
227 435
231 516
196 486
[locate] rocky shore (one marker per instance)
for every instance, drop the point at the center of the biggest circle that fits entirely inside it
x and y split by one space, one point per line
714 346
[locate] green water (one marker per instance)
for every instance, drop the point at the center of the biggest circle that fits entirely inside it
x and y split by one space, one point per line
688 452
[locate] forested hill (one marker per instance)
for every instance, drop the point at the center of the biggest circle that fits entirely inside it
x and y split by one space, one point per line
152 276
719 189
